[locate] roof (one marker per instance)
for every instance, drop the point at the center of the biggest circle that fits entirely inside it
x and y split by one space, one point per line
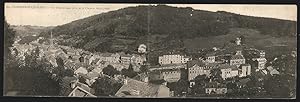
237 57
210 54
140 77
264 71
75 65
212 65
259 74
82 70
69 64
139 89
95 61
195 62
168 66
226 66
80 92
92 75
124 55
272 71
245 65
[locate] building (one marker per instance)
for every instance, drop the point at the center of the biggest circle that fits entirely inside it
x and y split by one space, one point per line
237 59
261 61
142 48
138 59
228 71
215 88
135 88
245 70
80 92
197 67
110 57
185 59
81 70
272 71
172 59
210 58
88 59
171 75
170 72
125 58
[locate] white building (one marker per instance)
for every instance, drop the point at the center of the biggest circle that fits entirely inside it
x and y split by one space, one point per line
228 71
237 59
142 48
261 61
245 70
173 59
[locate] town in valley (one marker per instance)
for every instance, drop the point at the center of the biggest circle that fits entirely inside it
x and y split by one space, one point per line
234 70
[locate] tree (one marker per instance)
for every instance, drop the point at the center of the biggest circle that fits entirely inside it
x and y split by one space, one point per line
200 81
129 72
144 68
182 86
216 75
110 70
60 67
105 86
9 36
276 87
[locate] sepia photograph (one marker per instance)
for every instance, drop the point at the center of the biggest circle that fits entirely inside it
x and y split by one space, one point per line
127 50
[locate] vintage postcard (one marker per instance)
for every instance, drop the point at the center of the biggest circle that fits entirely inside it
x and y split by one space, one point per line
231 51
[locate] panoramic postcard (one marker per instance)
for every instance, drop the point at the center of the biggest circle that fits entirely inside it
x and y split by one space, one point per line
150 50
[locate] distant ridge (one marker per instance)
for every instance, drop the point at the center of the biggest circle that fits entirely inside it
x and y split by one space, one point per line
170 28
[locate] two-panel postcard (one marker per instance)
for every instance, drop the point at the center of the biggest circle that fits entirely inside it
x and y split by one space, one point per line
127 50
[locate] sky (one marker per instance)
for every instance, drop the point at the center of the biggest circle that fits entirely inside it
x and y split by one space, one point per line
53 14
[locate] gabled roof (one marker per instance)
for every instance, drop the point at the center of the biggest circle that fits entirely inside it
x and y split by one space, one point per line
210 54
80 92
195 62
272 71
138 89
95 61
237 57
140 77
226 66
92 75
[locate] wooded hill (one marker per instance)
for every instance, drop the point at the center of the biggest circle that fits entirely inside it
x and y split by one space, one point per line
171 28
